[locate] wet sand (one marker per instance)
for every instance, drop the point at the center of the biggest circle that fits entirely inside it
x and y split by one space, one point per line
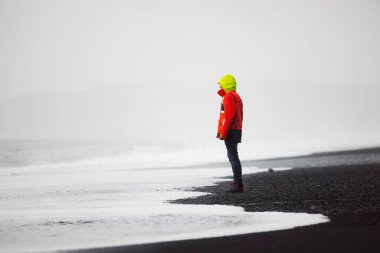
345 186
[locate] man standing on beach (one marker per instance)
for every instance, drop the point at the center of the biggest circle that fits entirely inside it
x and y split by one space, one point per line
230 127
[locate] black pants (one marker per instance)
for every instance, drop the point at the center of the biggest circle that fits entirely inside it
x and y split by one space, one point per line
233 157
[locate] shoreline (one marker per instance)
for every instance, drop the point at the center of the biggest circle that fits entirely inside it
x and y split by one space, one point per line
339 192
348 194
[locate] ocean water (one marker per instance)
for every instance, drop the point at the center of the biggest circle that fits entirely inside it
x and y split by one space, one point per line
58 195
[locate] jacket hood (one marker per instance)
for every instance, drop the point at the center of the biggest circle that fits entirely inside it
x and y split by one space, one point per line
228 82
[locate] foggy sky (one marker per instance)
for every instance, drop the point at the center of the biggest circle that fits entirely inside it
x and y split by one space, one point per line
110 69
56 45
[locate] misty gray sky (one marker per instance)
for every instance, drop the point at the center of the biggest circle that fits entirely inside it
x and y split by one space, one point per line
98 69
56 45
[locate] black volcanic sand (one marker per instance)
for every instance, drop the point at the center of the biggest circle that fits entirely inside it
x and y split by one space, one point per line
348 194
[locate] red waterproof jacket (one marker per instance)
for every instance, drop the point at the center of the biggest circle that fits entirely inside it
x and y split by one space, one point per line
231 113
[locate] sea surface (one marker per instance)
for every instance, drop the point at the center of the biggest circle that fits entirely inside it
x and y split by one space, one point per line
59 195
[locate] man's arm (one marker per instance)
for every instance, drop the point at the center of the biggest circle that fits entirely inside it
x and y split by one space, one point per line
230 107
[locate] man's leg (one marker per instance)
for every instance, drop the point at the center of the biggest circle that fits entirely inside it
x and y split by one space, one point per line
233 157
